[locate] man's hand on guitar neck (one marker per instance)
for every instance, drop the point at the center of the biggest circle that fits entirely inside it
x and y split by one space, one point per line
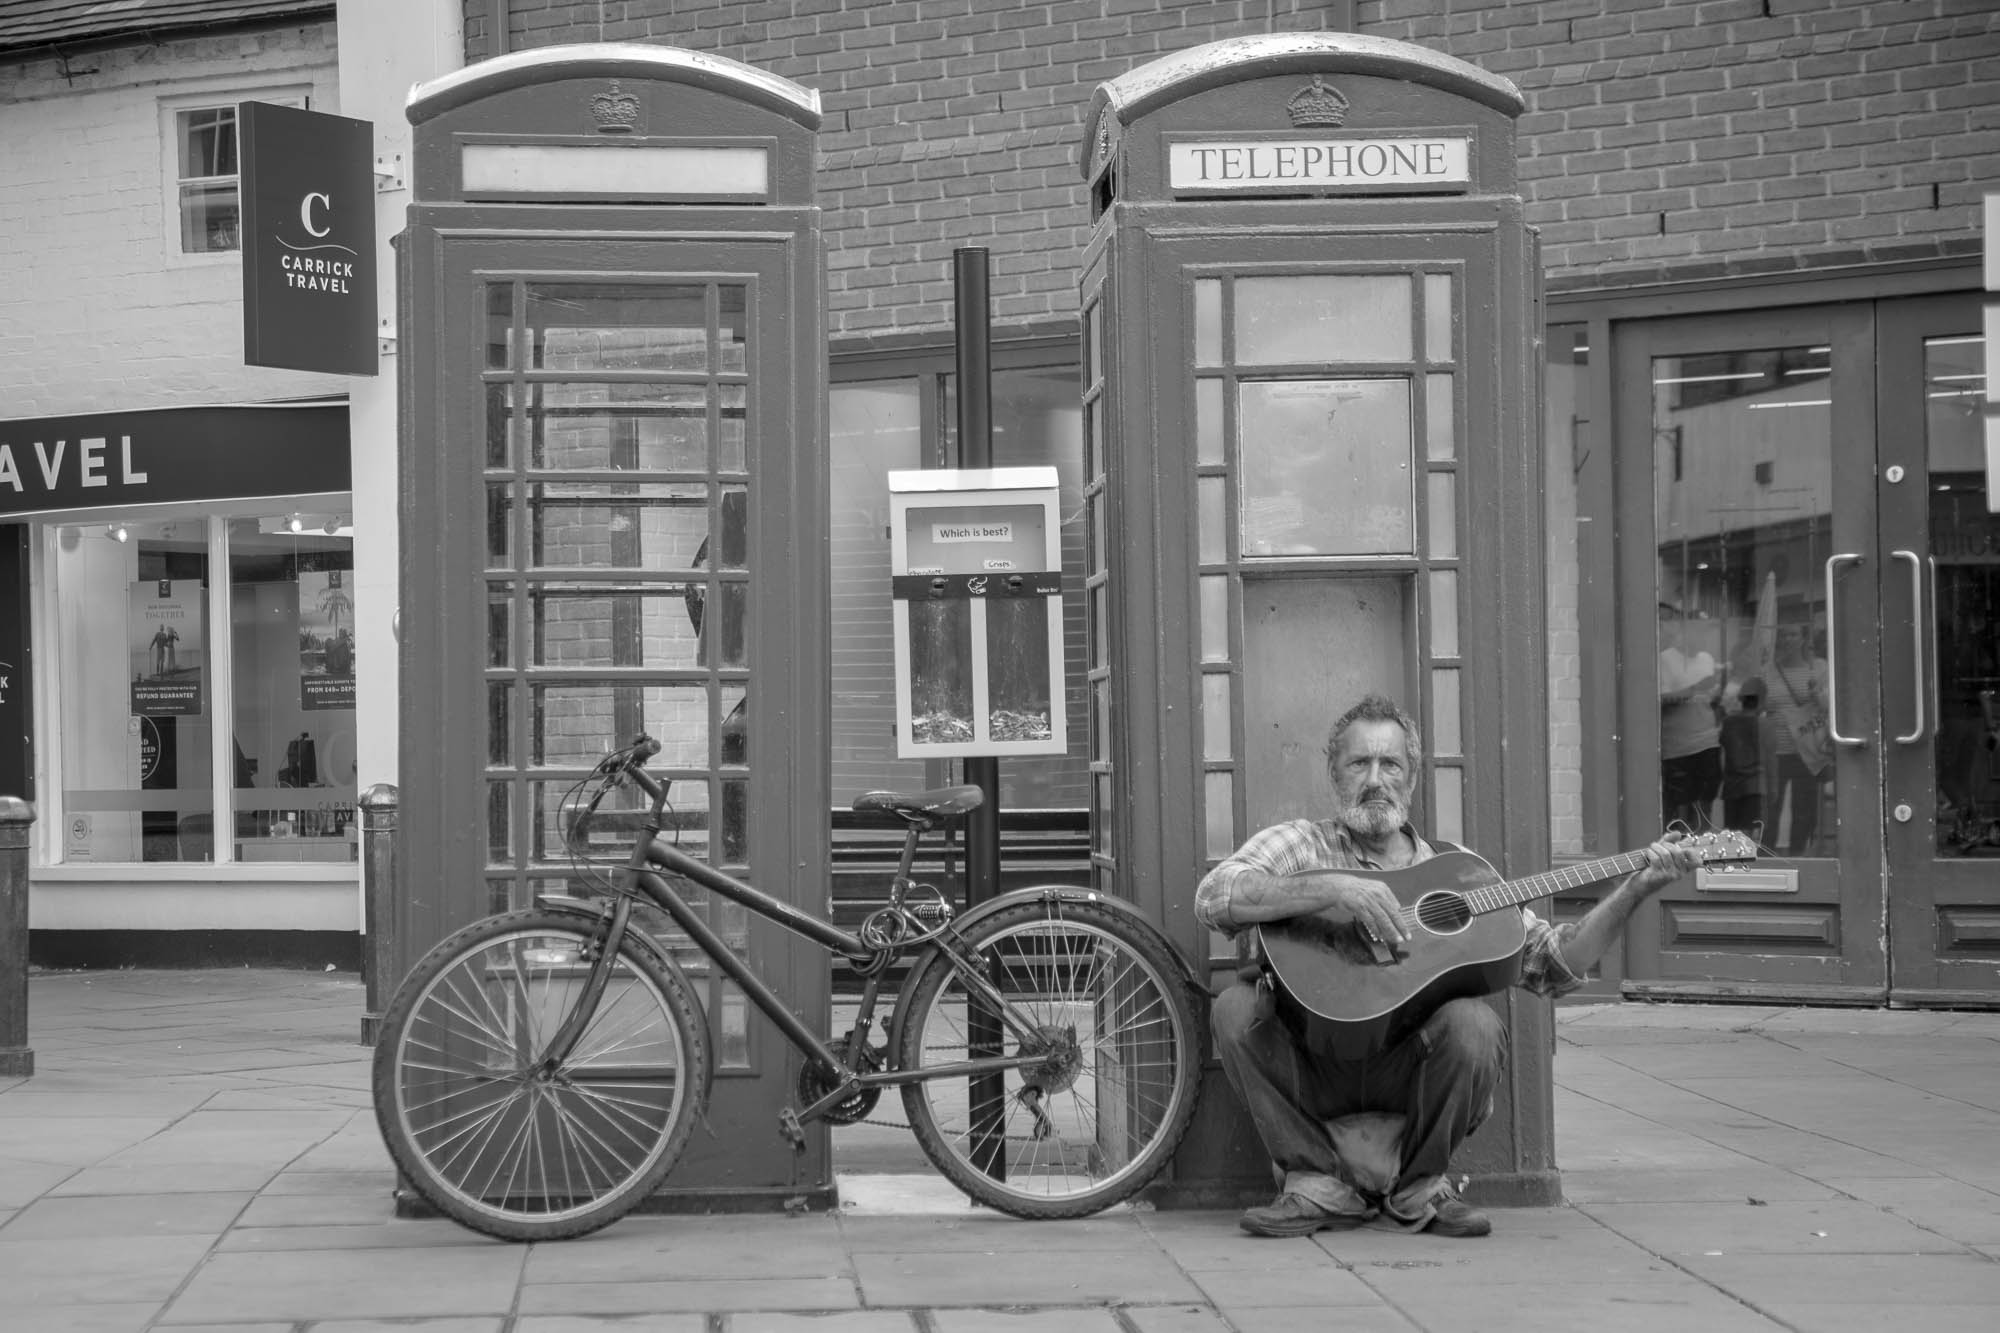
1667 859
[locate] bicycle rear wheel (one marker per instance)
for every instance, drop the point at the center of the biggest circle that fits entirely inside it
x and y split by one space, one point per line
496 1136
1098 995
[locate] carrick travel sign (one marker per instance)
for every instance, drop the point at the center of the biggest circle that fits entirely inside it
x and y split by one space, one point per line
1320 165
308 185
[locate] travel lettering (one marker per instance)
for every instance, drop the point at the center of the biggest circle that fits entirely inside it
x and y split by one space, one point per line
90 463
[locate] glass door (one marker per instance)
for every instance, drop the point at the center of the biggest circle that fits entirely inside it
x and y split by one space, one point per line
1940 596
1749 636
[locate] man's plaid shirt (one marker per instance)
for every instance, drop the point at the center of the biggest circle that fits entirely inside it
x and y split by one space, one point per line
1325 844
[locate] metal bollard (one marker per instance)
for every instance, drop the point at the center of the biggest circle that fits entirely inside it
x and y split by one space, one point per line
378 950
17 1058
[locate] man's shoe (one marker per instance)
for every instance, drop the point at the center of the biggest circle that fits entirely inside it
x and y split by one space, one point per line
1292 1215
1455 1217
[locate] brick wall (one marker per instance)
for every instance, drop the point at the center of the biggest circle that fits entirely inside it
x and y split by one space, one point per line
1664 139
948 123
99 309
1681 139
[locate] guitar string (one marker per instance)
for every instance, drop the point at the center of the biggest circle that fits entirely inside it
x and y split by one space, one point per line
1494 897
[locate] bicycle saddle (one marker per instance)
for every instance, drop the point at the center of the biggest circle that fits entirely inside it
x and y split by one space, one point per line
943 801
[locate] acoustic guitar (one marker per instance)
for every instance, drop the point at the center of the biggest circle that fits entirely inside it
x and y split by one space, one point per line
1466 935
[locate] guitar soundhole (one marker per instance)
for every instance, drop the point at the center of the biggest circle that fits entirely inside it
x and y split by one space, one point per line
1443 913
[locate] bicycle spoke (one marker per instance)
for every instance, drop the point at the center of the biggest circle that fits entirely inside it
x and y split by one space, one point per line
485 1149
475 1027
479 980
611 1112
511 1157
478 1132
510 1089
591 1150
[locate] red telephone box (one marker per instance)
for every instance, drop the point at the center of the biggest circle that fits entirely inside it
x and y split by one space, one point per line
614 514
1310 317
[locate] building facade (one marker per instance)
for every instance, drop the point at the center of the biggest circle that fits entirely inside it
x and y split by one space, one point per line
181 524
1760 240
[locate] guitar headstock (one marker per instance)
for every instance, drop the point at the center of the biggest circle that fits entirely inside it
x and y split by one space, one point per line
1721 845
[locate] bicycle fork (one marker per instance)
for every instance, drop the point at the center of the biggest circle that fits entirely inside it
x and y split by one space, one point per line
566 1037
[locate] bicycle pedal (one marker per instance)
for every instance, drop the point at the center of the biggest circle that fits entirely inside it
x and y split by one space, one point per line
794 1133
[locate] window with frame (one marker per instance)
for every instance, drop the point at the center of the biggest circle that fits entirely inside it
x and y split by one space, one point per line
207 177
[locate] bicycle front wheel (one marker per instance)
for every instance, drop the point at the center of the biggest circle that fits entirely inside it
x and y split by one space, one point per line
501 1137
1101 1000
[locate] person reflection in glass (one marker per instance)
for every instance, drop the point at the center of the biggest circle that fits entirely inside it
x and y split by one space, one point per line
1690 736
1798 698
1743 760
720 641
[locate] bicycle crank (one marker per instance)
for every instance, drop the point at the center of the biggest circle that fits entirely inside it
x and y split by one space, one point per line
814 1085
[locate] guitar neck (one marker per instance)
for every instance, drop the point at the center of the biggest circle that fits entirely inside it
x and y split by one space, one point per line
1514 892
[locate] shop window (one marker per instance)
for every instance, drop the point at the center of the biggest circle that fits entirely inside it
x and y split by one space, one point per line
137 691
291 643
141 677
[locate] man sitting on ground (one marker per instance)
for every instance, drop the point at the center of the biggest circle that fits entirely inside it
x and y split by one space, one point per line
1440 1079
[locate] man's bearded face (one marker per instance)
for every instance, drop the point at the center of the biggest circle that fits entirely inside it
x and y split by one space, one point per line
1372 781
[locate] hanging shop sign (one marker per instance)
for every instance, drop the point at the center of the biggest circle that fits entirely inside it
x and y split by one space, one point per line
168 455
308 198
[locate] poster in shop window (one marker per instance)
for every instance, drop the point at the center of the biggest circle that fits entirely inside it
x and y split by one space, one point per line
326 639
164 628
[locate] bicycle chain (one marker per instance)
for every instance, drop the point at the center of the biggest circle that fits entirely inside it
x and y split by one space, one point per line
897 1124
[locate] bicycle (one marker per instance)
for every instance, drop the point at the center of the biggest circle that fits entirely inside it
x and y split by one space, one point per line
539 1071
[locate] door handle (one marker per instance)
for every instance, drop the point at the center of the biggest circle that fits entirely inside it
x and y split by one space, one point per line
1833 564
1916 733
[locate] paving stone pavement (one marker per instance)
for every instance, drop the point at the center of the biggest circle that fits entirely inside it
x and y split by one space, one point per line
196 1153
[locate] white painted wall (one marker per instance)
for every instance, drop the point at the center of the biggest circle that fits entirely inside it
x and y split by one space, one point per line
99 309
386 46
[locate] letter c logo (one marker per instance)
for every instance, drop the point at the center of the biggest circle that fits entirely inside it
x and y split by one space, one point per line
306 213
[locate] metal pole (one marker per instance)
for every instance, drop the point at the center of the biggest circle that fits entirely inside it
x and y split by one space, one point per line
378 950
972 326
17 1058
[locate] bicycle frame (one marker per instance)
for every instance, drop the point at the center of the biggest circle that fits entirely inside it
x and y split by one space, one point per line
653 854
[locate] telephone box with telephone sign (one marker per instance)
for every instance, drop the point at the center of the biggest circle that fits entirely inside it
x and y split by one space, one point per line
614 519
976 563
1312 471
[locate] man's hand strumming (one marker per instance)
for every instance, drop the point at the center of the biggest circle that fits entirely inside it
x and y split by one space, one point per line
1369 905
